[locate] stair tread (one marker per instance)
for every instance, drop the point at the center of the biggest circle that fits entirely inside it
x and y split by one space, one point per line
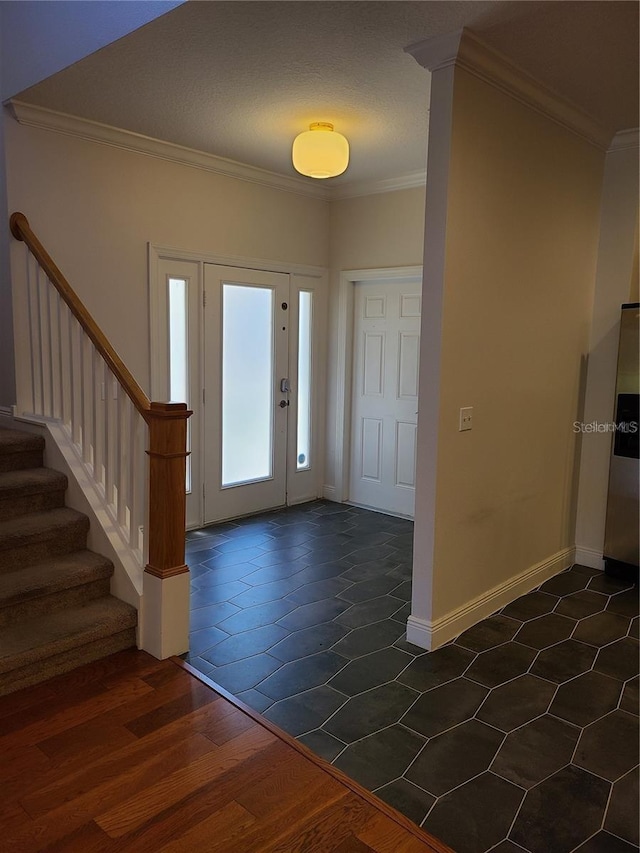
53 575
15 441
30 481
37 525
44 636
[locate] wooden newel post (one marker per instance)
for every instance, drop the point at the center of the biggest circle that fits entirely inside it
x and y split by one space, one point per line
167 497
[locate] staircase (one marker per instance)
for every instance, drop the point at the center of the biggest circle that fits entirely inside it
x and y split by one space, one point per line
56 612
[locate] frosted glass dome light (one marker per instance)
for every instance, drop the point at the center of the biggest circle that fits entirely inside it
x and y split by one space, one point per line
320 152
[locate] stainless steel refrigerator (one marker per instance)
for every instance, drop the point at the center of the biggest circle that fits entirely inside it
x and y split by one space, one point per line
622 524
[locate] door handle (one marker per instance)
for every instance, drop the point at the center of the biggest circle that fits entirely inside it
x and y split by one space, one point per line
285 387
283 404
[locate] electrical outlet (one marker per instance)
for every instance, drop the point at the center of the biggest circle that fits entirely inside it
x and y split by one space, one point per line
466 418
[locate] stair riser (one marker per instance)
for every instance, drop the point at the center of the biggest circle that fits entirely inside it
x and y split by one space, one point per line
19 460
58 664
22 504
53 602
63 540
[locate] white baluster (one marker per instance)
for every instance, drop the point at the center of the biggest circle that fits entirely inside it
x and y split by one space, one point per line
75 379
122 456
36 326
87 381
55 351
98 416
30 269
45 334
136 481
111 426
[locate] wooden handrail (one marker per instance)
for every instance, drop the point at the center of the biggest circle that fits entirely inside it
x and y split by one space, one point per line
21 230
167 423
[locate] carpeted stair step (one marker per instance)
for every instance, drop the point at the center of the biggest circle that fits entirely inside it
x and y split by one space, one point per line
38 536
39 648
30 490
44 588
20 450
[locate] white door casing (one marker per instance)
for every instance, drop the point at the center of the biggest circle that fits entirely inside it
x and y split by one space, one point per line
307 285
386 347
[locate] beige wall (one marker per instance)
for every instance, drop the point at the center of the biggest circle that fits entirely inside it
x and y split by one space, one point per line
521 211
95 207
370 232
616 282
385 230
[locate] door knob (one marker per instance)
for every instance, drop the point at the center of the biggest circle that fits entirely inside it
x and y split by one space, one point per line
283 404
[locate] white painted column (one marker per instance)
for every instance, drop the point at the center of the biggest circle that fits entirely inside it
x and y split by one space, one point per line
419 623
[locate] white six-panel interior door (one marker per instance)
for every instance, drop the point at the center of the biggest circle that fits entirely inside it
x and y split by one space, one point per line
384 405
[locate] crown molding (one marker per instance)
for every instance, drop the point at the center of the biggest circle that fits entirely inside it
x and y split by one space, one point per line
625 139
387 185
463 49
31 115
93 131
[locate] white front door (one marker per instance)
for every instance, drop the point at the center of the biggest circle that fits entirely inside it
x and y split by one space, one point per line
246 352
384 405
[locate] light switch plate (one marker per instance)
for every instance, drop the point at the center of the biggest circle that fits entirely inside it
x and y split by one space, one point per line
466 418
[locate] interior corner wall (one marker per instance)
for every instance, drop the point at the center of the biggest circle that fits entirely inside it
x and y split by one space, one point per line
95 207
616 283
367 232
521 213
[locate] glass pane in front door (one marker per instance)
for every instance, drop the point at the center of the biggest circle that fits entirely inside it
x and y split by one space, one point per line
247 384
246 351
305 349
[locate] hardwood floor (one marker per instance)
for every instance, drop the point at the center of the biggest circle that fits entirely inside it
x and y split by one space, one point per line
134 754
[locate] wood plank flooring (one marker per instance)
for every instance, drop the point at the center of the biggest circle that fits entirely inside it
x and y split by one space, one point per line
134 754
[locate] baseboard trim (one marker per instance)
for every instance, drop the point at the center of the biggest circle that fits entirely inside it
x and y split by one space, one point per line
431 635
330 493
590 557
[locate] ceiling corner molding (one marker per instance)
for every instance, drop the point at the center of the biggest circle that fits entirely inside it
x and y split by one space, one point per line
466 50
387 185
92 131
625 139
438 52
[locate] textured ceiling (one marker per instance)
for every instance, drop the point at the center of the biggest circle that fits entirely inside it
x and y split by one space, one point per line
241 79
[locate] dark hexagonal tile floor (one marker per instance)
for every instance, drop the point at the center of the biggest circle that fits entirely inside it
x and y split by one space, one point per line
438 667
609 747
564 661
501 664
535 751
489 633
562 812
380 758
619 660
443 707
455 757
586 698
545 631
622 815
519 736
513 704
477 815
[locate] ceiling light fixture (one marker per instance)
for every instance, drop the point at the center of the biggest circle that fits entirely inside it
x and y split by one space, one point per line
320 152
